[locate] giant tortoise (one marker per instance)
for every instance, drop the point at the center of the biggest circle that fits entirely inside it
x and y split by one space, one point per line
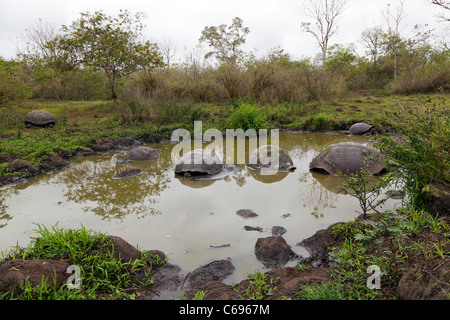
261 159
361 128
348 158
40 118
142 154
199 162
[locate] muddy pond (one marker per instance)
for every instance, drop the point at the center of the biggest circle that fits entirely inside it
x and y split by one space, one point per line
193 221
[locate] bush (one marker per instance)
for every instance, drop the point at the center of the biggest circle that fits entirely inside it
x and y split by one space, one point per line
421 154
247 117
14 83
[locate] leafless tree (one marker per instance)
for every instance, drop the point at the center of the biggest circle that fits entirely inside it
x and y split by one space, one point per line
445 4
372 39
168 51
36 43
324 26
394 20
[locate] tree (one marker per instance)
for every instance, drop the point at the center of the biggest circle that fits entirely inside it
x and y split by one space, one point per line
225 40
393 39
107 43
325 14
445 4
35 47
168 50
372 39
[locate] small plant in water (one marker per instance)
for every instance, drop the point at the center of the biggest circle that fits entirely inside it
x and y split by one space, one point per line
362 187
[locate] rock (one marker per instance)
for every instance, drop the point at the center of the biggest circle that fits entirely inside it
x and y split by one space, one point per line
286 216
250 228
102 145
22 167
13 273
167 277
226 245
214 290
124 251
273 251
246 213
128 173
123 142
438 198
214 271
40 118
348 158
143 154
86 152
278 231
55 162
287 281
426 281
64 153
199 162
317 245
395 194
158 253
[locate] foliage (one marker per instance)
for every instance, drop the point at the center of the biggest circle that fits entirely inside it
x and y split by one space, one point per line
362 186
225 40
108 43
14 83
245 117
103 276
387 240
260 286
421 154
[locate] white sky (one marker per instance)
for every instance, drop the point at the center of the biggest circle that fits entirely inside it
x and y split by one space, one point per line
272 23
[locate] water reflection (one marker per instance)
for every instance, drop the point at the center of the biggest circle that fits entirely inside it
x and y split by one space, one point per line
271 178
91 182
316 195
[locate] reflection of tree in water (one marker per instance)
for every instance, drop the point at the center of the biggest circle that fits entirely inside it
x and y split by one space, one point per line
316 195
4 217
91 182
4 194
320 192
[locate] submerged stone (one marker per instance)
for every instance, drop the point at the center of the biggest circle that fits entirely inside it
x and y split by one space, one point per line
128 173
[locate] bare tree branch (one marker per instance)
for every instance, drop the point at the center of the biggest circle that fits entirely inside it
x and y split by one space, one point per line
324 14
445 4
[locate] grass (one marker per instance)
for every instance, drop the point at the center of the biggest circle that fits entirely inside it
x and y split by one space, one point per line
260 286
388 240
103 276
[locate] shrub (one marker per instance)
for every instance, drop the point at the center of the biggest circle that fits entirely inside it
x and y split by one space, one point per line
421 154
247 117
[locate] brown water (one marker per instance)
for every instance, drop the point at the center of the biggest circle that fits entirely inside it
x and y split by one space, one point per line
182 216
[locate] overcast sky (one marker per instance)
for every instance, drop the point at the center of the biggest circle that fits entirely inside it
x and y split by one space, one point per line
272 23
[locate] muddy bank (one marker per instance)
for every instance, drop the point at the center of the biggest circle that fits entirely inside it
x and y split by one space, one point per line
19 170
